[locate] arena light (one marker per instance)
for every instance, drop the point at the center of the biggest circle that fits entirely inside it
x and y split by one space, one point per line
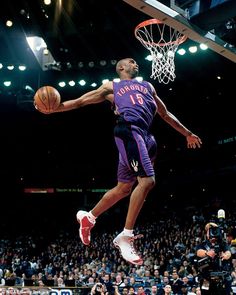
116 80
7 83
91 64
80 64
193 49
181 51
203 46
105 81
62 84
82 82
72 83
140 79
1 66
10 67
9 23
149 57
94 84
113 62
22 67
103 63
47 2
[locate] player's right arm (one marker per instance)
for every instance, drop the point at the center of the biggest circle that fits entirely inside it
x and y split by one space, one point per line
104 92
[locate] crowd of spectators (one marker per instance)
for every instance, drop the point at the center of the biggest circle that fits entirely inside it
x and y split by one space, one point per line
168 248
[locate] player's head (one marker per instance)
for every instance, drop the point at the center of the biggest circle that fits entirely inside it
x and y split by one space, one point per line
127 68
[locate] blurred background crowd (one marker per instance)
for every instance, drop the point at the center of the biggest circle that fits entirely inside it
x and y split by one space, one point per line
168 247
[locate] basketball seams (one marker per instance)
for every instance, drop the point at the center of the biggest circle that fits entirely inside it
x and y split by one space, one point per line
48 95
40 95
47 98
55 95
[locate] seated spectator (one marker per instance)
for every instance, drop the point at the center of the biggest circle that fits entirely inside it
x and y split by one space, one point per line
176 283
131 291
141 291
167 290
154 290
119 282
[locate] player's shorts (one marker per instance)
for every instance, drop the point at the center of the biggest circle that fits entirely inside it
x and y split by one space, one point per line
137 152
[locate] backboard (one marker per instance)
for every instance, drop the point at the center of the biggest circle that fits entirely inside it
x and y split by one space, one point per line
196 20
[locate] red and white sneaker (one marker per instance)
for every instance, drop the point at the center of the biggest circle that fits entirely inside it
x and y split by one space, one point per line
86 224
126 246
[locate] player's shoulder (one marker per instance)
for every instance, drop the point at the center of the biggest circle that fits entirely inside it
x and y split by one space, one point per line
150 84
107 87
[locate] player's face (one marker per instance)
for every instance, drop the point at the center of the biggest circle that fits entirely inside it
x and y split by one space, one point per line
131 67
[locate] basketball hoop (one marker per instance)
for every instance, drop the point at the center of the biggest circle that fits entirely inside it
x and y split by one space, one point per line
162 41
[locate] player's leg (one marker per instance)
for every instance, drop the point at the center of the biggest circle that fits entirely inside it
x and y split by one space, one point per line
124 241
145 184
111 197
140 153
87 219
137 198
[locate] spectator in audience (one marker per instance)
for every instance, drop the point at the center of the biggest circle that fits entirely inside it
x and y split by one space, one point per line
140 290
157 277
167 290
108 283
131 290
125 291
119 282
176 283
154 290
90 282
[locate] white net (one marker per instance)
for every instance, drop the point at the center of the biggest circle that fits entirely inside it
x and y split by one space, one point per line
162 41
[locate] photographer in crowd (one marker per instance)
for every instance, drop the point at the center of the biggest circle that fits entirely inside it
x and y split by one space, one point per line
213 262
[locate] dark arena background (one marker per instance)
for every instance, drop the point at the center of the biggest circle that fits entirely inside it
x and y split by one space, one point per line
53 165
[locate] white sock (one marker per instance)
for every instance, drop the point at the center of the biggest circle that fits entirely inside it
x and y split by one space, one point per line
128 232
91 216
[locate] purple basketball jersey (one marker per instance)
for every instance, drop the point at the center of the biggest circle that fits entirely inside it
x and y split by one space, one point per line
134 102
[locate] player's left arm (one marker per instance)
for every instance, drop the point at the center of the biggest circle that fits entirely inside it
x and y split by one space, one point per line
193 140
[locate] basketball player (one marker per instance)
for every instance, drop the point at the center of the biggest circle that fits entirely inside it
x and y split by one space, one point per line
136 104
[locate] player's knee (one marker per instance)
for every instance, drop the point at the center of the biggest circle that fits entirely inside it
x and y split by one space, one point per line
151 182
124 190
147 182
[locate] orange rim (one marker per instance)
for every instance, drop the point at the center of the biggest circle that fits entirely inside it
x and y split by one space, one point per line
154 21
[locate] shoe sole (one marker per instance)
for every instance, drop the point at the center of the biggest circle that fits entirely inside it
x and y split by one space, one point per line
136 262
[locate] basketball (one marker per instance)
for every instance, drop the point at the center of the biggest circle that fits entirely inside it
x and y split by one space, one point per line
47 99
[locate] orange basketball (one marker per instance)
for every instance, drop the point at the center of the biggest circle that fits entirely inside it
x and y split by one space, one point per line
47 99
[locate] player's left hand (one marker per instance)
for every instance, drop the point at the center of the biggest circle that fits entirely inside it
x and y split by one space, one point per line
193 141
